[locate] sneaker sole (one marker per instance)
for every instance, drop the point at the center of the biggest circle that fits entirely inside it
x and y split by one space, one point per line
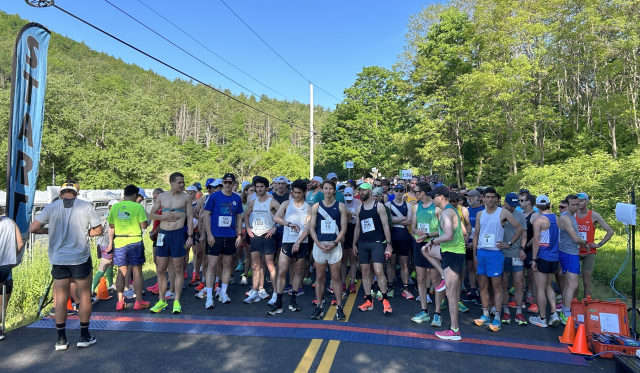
456 338
317 318
477 324
293 309
441 289
86 344
491 328
275 312
365 309
209 308
62 348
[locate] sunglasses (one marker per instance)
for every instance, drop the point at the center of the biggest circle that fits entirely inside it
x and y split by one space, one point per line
226 182
562 207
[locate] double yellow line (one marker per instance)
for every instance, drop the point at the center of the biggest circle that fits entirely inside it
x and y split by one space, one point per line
332 346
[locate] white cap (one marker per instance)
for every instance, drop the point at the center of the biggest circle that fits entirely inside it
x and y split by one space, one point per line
112 202
244 184
280 179
192 188
359 182
217 182
318 179
542 200
348 190
332 175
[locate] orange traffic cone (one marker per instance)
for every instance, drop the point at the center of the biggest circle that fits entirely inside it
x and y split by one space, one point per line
69 304
103 293
580 343
569 334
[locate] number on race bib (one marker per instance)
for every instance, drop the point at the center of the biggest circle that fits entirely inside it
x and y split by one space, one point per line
160 241
516 262
328 227
258 222
488 240
583 236
367 225
424 227
224 221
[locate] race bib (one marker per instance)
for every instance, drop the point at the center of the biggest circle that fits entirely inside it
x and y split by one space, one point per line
424 227
258 221
367 225
516 262
328 227
224 221
488 240
583 236
160 240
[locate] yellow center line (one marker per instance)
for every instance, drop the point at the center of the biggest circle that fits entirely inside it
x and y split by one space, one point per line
332 347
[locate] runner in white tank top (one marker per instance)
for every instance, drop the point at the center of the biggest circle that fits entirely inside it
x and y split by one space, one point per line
262 220
491 230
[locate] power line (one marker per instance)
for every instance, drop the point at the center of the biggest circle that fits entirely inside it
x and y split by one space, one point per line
278 54
214 53
176 69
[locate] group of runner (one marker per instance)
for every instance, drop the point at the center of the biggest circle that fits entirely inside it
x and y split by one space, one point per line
436 235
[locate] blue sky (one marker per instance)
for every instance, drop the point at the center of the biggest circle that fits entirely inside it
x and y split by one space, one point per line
329 42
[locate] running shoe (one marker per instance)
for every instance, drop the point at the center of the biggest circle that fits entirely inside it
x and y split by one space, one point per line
413 275
209 304
512 291
563 318
344 289
112 288
555 320
330 288
506 318
86 341
449 335
121 306
437 320
495 325
533 308
407 294
141 304
352 288
411 282
513 304
443 304
334 302
195 281
536 320
471 295
421 317
243 281
390 293
201 294
250 273
160 305
263 294
274 310
153 289
386 307
340 316
366 306
520 319
442 286
482 321
240 267
62 345
306 281
559 306
315 301
201 286
378 296
169 295
429 300
288 288
177 308
272 301
317 313
224 298
254 297
462 308
185 274
529 298
232 280
94 300
129 294
293 306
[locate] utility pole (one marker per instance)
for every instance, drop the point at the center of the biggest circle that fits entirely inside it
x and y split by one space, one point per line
311 131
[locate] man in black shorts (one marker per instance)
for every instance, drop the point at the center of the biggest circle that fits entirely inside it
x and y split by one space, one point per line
71 223
401 217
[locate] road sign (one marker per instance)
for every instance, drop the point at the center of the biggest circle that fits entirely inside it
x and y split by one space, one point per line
348 164
374 170
405 174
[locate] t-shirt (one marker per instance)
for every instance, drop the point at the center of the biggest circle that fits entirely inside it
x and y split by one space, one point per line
8 243
320 197
69 230
224 210
509 231
103 240
126 217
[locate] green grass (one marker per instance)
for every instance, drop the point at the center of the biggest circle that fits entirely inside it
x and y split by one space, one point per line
31 278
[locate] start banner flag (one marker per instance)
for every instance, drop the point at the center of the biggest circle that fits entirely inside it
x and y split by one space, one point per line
28 82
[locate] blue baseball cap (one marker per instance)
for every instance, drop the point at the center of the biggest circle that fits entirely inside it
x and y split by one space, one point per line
142 193
512 199
209 182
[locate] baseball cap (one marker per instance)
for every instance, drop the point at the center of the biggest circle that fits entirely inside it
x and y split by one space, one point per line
70 186
348 190
473 193
112 202
332 175
439 184
318 179
229 175
378 191
198 185
398 187
244 184
143 194
341 186
523 191
583 195
439 191
191 188
280 179
217 182
542 200
209 182
512 199
359 182
365 186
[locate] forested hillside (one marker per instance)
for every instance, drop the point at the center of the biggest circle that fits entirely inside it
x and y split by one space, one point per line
108 123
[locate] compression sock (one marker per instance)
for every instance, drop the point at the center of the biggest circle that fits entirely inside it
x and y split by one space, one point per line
294 296
84 330
279 300
61 331
485 311
368 297
96 280
384 295
109 275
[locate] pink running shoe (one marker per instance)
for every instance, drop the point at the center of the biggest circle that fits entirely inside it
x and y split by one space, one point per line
153 289
442 286
449 335
352 289
141 304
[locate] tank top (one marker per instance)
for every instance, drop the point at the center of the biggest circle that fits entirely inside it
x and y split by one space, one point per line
262 218
370 225
529 230
351 206
473 212
7 242
295 215
549 240
426 219
456 245
587 231
566 243
310 196
327 230
280 199
491 230
399 232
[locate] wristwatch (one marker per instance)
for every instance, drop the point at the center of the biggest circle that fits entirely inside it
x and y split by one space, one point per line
509 243
428 235
335 243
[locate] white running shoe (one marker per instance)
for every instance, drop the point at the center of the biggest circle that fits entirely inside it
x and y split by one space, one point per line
263 294
209 305
169 295
244 280
555 320
129 294
254 297
272 302
112 288
202 294
536 320
224 298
